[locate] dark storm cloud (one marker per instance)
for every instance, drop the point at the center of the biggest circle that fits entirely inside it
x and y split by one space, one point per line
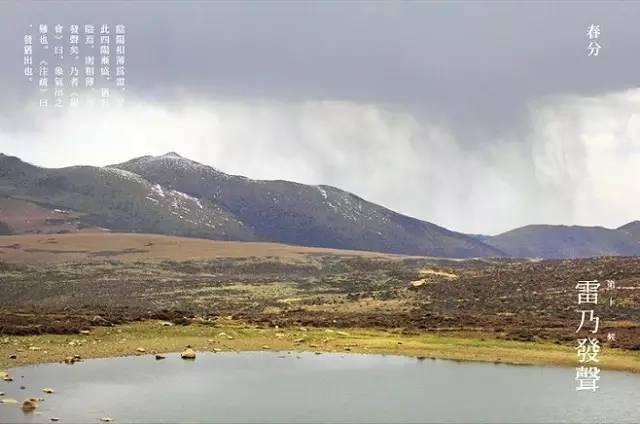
475 64
479 116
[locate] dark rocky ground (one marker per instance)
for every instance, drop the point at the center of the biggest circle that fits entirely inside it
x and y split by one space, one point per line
514 299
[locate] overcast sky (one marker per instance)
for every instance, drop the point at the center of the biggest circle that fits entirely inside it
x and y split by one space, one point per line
478 116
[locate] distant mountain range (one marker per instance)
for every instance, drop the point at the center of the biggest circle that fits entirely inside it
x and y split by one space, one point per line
170 194
561 241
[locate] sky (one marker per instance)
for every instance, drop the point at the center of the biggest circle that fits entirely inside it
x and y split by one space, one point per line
477 116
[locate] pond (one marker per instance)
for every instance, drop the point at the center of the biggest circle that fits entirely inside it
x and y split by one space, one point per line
304 387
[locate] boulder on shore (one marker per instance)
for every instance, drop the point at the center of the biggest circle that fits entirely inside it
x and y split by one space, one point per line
188 354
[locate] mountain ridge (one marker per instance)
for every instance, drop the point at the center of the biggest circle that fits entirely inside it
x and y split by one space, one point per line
174 195
565 241
170 194
269 205
632 228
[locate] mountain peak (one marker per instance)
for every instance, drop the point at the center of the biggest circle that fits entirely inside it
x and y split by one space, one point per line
630 225
169 158
633 229
172 155
168 162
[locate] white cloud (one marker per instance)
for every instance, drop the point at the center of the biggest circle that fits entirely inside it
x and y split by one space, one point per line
578 163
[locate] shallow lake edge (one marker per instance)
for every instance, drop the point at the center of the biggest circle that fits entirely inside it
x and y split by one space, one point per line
154 337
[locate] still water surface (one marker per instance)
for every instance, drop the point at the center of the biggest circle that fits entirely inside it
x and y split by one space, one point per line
281 387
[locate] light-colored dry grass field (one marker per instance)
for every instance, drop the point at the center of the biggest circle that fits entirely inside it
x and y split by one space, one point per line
79 247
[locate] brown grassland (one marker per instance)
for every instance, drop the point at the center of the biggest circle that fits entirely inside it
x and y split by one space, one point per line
119 288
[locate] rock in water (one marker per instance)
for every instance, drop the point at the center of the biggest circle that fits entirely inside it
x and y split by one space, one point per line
8 401
159 357
29 405
106 419
54 419
188 354
48 390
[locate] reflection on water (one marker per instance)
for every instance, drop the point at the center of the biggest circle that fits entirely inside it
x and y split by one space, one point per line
281 387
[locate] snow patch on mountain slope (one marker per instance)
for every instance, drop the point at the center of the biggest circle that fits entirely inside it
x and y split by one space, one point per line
351 207
126 175
157 189
323 192
187 197
181 205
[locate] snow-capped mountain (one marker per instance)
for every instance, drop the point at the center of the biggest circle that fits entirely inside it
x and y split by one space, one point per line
170 194
296 213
